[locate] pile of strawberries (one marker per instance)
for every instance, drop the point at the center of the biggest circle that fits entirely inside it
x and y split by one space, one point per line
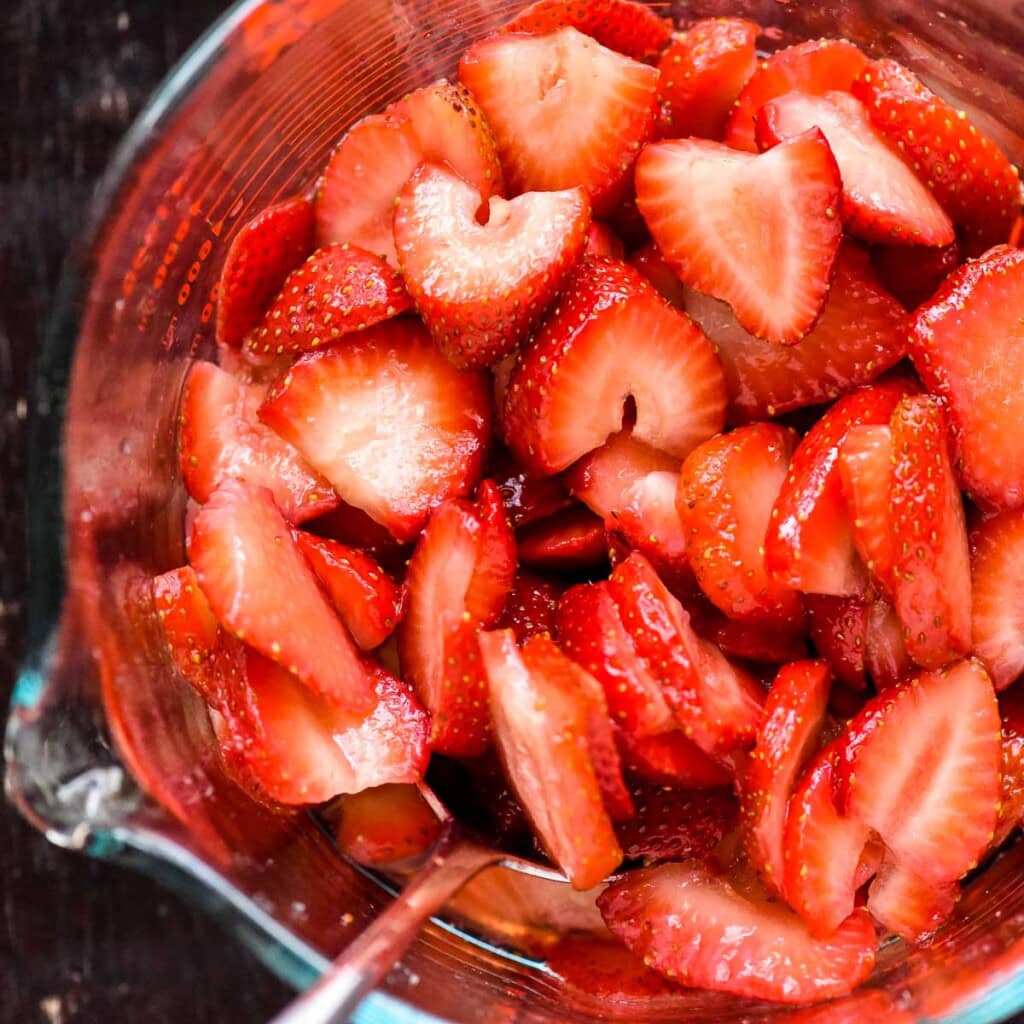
573 418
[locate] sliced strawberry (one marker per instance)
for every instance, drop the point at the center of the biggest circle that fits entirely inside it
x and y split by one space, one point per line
569 541
809 544
261 256
527 498
920 765
883 200
694 926
726 493
913 273
623 25
221 438
702 73
970 177
753 641
566 111
388 420
480 287
670 759
932 574
609 338
861 333
997 593
886 656
386 824
530 608
605 970
760 232
367 599
602 241
353 528
541 725
1011 797
263 591
906 904
816 67
649 261
965 344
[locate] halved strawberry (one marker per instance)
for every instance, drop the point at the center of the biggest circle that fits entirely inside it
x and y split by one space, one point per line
753 641
221 438
352 527
886 657
624 25
691 924
920 765
860 334
530 607
263 591
367 599
610 338
913 273
1011 796
388 420
809 544
997 593
932 573
386 824
602 241
541 726
338 290
670 759
971 178
760 232
702 73
649 261
815 67
569 541
908 905
883 200
865 469
566 111
528 498
965 343
261 256
726 493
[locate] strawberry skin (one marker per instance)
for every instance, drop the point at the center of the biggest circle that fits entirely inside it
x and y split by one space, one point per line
602 241
751 641
670 759
573 540
997 591
913 273
531 606
527 498
480 287
1011 797
385 825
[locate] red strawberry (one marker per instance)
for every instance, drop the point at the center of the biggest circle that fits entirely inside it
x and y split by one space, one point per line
624 25
932 573
903 902
605 970
388 420
920 765
670 759
883 201
366 598
997 592
569 541
527 498
760 232
726 493
338 290
886 657
861 333
602 241
530 608
752 641
816 67
1011 797
964 343
262 590
262 254
694 926
966 171
649 261
609 338
386 824
809 544
565 110
480 287
702 73
353 528
221 438
541 726
913 273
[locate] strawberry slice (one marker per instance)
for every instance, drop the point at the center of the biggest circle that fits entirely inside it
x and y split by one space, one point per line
604 970
570 541
602 241
527 498
566 111
353 528
752 641
809 544
262 590
883 200
913 273
968 174
530 608
906 904
221 438
760 232
788 735
388 420
649 261
386 825
1011 797
497 277
726 493
261 256
610 338
623 25
920 763
541 726
997 594
932 573
694 926
338 290
861 333
815 67
702 73
886 657
670 759
965 345
367 599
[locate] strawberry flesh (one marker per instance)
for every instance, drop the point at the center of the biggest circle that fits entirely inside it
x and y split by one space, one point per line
386 825
570 541
997 596
670 759
906 904
1011 797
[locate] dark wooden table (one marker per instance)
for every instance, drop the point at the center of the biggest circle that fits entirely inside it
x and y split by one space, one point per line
81 941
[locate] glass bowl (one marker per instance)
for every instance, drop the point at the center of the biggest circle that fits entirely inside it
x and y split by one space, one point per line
107 750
